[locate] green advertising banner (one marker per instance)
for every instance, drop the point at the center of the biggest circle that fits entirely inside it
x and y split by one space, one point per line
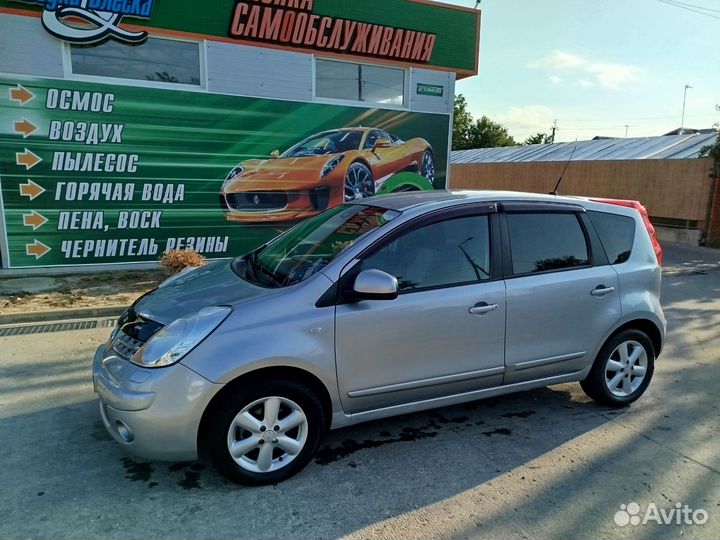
96 174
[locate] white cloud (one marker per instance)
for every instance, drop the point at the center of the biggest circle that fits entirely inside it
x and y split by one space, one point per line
614 76
559 60
606 74
527 120
555 80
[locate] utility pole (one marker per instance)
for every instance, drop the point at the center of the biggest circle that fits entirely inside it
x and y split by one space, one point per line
682 121
554 129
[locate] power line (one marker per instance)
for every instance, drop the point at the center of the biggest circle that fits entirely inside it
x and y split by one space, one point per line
703 8
671 3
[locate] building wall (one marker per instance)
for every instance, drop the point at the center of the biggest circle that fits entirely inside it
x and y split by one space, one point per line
677 189
27 49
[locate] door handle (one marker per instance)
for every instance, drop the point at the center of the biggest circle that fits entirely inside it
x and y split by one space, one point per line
482 308
602 290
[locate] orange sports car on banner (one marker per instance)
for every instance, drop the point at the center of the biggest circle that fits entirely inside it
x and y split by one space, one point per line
323 170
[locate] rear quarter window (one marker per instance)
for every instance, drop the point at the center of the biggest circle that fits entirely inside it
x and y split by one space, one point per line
617 234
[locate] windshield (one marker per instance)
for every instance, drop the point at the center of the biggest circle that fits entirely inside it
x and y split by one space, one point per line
329 142
306 248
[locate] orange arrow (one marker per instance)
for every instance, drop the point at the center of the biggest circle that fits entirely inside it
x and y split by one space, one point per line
34 220
25 127
37 248
31 189
27 158
21 94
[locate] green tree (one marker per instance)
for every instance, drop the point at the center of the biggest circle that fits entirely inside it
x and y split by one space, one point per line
713 150
462 122
485 133
539 138
470 133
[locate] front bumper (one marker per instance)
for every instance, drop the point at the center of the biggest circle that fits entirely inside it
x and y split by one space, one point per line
153 413
271 206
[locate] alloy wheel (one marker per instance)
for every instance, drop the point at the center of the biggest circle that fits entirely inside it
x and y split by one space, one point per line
428 166
626 368
267 435
358 182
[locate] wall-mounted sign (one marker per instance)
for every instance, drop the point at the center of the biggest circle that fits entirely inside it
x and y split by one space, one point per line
91 21
90 173
293 23
424 89
420 33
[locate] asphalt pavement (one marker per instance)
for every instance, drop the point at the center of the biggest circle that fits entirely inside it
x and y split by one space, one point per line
547 463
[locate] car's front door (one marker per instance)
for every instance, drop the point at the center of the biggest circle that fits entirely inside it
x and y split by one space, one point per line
443 335
562 297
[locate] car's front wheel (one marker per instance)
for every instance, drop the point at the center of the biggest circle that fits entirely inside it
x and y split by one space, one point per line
622 370
266 433
359 182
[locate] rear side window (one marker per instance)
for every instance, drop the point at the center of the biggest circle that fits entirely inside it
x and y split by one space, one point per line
617 234
546 241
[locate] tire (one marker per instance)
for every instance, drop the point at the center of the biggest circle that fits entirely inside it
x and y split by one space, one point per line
239 420
622 370
359 183
427 168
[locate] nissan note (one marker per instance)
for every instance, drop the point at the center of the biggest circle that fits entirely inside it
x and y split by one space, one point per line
381 307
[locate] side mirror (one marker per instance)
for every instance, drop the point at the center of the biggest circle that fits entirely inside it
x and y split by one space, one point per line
375 285
275 154
382 143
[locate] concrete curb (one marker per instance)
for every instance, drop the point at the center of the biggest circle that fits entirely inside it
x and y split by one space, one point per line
61 315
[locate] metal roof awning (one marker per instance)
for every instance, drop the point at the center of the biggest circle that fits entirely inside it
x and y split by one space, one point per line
663 147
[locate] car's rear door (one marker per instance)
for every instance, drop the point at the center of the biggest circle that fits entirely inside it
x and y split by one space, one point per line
562 295
444 334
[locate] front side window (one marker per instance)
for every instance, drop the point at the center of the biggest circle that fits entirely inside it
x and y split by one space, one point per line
546 241
359 82
310 246
158 60
372 138
441 254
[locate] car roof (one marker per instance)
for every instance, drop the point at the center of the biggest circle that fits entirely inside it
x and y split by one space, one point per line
446 198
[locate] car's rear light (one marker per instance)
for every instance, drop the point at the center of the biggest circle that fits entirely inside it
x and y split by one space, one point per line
646 220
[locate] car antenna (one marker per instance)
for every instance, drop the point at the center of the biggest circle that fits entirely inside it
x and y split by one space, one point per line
562 175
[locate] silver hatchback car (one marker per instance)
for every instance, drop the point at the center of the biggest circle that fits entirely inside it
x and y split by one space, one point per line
382 307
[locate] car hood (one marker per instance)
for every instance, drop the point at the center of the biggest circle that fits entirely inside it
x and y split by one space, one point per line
213 285
280 169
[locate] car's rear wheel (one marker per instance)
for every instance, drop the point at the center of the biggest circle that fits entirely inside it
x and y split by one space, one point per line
622 370
359 182
428 166
266 433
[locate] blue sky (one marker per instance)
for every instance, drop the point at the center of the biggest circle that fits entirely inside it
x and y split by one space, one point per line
595 66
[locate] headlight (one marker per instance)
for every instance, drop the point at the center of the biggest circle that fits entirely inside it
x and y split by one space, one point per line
178 338
330 165
235 171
